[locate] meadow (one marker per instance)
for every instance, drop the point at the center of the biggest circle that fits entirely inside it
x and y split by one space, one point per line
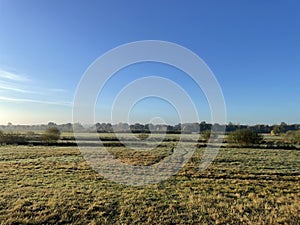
55 185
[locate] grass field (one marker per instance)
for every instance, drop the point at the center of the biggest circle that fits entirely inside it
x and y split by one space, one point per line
54 185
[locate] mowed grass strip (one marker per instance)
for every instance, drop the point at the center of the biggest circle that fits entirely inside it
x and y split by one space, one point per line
54 185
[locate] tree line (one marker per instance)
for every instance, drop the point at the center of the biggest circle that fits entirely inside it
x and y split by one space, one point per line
152 128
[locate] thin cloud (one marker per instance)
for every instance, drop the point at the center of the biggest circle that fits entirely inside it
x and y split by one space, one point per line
15 89
22 92
24 100
57 90
13 76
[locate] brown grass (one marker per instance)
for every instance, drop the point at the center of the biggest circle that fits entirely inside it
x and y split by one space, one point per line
54 185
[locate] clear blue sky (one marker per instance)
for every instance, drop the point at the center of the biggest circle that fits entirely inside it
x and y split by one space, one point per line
253 48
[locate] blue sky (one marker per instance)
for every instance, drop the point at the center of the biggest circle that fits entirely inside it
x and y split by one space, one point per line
253 48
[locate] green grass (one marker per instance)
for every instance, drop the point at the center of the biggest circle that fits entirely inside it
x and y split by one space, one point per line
54 185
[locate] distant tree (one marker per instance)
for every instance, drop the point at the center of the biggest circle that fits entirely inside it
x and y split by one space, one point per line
261 128
244 137
190 127
78 127
177 128
283 127
276 130
204 126
230 127
51 134
109 127
52 124
137 128
121 127
66 127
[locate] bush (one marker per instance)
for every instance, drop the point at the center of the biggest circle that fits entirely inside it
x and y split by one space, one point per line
244 138
292 137
205 135
12 138
1 137
51 134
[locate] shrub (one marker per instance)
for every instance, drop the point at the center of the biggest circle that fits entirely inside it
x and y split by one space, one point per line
12 138
205 135
1 137
244 138
31 136
51 134
292 137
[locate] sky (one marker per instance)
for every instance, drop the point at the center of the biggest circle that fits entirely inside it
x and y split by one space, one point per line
252 48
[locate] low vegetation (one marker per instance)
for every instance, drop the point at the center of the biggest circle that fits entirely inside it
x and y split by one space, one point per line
12 138
51 134
143 136
205 135
244 138
238 138
292 137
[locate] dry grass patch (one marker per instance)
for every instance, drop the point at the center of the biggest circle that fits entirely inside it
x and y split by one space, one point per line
49 185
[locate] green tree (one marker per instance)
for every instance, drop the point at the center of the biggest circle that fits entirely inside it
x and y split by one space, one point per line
244 138
51 134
